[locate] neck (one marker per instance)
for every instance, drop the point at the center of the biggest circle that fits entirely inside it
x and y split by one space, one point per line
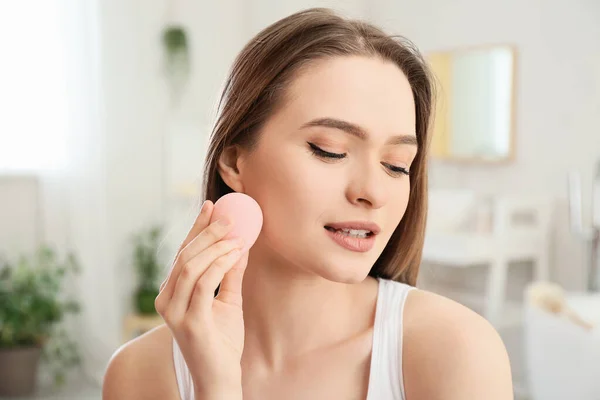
289 313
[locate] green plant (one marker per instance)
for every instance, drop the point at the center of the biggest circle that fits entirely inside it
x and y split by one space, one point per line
175 39
177 58
33 305
148 268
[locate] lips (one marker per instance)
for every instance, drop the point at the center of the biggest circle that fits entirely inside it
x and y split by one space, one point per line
371 227
359 240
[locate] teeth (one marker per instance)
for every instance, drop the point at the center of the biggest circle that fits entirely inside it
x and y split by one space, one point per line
355 232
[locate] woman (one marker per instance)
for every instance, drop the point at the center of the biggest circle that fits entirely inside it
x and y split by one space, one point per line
325 122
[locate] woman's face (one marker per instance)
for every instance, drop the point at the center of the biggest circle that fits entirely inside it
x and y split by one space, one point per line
337 153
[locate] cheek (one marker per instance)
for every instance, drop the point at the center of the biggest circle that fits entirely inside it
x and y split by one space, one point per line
399 201
290 180
289 187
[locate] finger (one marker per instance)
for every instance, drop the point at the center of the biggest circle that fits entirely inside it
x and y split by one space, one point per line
208 237
191 273
203 294
231 287
202 220
214 232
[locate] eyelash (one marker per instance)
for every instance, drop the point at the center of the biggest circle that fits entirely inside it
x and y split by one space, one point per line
317 151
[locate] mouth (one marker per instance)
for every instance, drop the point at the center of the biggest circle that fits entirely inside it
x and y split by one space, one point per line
356 236
358 233
356 229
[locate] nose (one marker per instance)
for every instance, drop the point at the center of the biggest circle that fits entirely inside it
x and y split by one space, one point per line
367 187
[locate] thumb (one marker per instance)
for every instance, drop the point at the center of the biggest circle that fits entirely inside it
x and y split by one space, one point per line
231 286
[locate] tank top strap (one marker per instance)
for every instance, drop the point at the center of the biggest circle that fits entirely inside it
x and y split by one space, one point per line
385 380
184 377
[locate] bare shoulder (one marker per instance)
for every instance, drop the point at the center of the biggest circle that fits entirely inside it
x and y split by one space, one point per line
142 368
451 352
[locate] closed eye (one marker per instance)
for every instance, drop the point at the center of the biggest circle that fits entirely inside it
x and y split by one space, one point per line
319 152
398 170
322 153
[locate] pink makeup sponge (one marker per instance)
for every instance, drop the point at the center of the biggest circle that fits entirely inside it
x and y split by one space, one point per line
244 212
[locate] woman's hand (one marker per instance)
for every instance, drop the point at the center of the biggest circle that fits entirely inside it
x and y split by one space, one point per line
209 330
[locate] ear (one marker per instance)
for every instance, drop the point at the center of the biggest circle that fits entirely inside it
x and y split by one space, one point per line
229 167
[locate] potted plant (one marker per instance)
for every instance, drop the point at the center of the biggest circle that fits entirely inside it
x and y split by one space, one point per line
33 305
147 266
177 57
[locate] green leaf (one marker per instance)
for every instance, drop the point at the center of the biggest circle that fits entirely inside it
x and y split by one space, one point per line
33 306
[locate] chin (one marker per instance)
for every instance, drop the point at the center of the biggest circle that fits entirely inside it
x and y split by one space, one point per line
344 271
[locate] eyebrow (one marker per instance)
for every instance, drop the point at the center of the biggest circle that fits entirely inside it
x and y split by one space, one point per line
356 130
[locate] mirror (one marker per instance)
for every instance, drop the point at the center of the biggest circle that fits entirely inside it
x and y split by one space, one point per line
474 118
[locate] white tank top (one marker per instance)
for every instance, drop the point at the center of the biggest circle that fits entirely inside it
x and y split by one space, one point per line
385 376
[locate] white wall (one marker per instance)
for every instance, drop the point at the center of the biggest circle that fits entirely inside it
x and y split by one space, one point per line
558 94
262 13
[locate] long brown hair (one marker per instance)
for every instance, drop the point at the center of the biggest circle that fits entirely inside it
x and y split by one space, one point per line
256 86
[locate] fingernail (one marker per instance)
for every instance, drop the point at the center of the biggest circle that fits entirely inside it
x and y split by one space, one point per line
202 206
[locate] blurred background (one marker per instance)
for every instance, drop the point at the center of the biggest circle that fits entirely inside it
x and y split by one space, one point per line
106 110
